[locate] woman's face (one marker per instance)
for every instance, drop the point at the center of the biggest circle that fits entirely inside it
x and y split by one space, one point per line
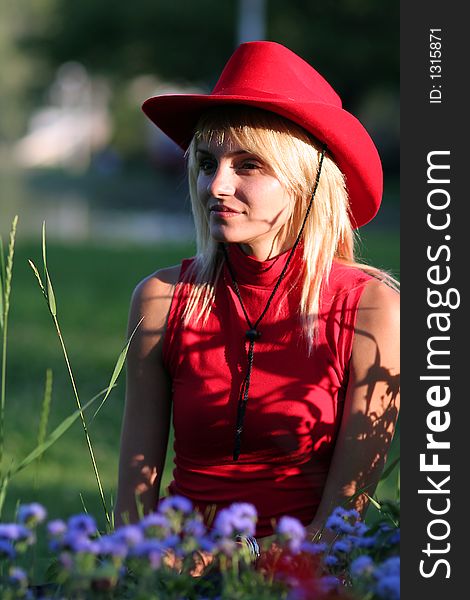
246 203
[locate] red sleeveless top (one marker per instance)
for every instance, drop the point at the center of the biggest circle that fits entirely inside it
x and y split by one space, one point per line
295 400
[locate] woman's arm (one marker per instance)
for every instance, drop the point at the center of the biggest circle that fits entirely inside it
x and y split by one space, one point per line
371 403
146 421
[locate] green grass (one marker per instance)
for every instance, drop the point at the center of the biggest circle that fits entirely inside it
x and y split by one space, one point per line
93 286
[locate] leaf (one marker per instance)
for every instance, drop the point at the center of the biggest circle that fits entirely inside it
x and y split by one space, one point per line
38 277
118 368
374 502
389 469
50 296
50 291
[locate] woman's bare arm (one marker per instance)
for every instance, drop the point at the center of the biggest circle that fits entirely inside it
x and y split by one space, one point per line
147 413
371 404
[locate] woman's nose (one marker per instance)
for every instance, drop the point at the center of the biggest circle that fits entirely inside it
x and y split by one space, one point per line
222 182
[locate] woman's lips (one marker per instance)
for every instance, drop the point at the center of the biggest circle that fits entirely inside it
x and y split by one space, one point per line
224 211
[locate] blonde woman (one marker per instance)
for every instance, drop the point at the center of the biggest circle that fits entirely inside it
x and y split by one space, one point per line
276 352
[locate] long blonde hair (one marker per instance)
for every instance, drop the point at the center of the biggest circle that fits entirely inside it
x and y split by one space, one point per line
294 156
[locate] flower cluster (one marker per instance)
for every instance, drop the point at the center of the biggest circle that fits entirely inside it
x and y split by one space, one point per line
368 557
171 553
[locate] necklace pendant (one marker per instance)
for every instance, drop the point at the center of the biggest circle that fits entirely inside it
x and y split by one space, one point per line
253 334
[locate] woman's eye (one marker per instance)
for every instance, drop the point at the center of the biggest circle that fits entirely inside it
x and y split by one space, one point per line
206 165
249 165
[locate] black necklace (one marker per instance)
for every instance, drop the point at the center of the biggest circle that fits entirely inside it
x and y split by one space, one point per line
253 333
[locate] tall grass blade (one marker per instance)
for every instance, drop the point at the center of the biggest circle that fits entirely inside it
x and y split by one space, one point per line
82 502
51 438
118 368
50 298
43 246
3 491
6 290
2 278
45 409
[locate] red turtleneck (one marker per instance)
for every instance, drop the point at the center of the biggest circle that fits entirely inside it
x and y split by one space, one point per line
295 400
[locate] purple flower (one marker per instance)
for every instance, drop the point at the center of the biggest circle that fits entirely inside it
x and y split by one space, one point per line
155 525
31 514
331 560
15 533
365 542
78 542
391 566
206 544
6 549
171 541
152 550
56 528
342 546
312 548
388 587
360 528
175 503
293 531
83 523
395 538
339 525
238 519
223 525
129 534
328 584
244 510
109 545
362 565
18 577
342 521
194 528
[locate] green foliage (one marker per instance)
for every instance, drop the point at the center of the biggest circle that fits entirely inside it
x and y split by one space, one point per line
44 441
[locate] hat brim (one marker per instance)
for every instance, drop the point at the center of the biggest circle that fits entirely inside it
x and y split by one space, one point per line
348 141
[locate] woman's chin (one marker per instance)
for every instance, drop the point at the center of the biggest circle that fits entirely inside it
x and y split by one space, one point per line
226 237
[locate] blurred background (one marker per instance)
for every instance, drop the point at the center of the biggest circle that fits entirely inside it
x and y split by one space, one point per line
77 152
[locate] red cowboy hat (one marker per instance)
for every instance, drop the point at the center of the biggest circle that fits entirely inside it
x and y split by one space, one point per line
267 75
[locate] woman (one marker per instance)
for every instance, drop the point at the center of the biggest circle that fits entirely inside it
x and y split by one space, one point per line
276 351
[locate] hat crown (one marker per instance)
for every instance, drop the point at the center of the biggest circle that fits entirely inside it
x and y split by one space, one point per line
272 70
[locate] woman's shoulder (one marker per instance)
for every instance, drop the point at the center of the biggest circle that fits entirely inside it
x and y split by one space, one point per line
372 291
157 284
151 298
379 305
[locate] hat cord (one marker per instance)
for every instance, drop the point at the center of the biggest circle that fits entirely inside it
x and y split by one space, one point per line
252 334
